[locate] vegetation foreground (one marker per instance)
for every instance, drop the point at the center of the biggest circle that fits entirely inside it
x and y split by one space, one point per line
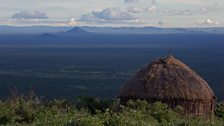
31 111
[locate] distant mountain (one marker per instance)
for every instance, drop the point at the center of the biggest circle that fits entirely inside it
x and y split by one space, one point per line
47 35
139 30
76 30
123 30
128 30
105 30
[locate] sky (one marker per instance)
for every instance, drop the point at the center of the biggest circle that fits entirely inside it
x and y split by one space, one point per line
113 13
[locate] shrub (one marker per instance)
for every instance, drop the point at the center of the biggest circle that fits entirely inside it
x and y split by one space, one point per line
26 111
219 111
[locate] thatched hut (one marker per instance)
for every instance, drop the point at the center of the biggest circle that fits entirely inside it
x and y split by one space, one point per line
172 82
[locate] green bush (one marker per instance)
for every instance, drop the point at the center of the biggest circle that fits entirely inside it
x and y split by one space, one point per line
29 111
220 110
6 113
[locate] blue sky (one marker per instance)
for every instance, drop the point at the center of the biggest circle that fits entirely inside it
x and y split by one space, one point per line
115 13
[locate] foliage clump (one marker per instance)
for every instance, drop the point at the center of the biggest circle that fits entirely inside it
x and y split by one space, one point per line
31 111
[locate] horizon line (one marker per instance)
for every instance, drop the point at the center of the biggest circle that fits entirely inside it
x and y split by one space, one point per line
109 26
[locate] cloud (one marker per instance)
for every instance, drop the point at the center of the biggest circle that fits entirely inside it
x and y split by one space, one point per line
71 22
162 22
39 18
184 12
113 14
164 11
131 1
89 18
209 9
108 15
207 22
151 9
177 12
153 1
137 1
136 10
47 22
30 15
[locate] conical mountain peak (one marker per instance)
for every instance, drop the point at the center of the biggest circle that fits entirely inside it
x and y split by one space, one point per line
76 30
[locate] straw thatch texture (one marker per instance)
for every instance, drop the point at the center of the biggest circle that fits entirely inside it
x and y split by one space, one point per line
172 82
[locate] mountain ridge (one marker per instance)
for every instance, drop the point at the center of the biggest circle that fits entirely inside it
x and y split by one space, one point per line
106 30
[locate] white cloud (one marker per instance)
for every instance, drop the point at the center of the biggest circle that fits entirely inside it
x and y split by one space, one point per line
108 15
30 15
162 22
175 11
113 14
89 18
207 22
151 9
164 11
37 22
136 10
211 8
131 1
71 22
39 18
184 12
153 1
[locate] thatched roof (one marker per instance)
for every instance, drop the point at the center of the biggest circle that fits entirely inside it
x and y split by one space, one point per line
167 78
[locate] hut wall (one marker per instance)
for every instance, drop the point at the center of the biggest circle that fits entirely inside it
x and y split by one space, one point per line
191 107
